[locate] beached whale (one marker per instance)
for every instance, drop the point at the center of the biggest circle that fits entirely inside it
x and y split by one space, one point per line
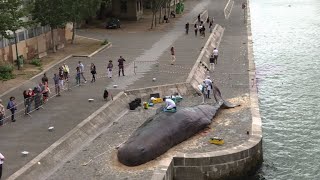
165 130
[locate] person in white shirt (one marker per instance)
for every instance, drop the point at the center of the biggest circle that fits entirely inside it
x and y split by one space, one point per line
209 84
1 162
215 55
170 104
81 67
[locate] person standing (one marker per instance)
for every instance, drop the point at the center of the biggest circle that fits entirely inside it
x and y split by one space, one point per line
203 30
1 163
37 96
61 78
173 57
27 101
109 69
45 79
66 72
81 69
187 28
208 82
215 55
211 63
203 89
93 72
2 115
56 80
45 92
199 17
78 76
195 29
12 106
121 65
210 27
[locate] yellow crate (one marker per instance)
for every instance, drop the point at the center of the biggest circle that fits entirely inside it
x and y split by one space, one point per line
216 140
157 100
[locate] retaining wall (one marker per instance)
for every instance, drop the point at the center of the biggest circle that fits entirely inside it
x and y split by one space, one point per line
72 142
232 162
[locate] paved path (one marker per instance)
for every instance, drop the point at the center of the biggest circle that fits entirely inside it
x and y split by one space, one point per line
65 112
230 75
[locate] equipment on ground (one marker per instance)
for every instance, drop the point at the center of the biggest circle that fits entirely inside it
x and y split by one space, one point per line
216 140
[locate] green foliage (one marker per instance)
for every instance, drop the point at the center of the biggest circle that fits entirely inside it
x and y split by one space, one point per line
36 62
6 72
51 13
105 42
11 12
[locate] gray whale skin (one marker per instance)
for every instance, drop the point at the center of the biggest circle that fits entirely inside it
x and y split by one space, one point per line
165 130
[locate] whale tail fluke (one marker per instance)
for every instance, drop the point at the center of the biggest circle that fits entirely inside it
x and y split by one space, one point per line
218 98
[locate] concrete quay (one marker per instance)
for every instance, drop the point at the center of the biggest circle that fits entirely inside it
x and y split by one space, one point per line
76 154
195 158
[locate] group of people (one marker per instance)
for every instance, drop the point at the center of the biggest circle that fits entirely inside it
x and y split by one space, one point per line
200 26
40 93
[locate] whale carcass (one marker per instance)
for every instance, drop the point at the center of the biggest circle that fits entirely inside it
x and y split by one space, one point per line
165 130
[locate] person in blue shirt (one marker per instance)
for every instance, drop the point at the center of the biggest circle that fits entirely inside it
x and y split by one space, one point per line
12 106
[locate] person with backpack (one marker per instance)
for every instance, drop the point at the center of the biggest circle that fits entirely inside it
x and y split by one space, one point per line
12 106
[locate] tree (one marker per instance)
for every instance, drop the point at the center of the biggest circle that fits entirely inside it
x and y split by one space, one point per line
53 13
79 10
155 6
11 14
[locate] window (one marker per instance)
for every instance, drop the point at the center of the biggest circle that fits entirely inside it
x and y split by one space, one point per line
46 29
39 31
123 6
20 36
31 33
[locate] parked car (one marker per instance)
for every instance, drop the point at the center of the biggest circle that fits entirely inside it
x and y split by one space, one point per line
113 23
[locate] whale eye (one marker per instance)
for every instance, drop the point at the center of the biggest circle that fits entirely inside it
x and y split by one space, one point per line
142 149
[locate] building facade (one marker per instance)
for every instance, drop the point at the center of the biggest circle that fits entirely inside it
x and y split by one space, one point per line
127 9
34 42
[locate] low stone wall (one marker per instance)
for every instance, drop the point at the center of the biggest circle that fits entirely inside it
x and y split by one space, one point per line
72 142
198 72
235 162
164 90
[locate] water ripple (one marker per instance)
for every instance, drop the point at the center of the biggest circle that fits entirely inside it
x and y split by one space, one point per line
286 51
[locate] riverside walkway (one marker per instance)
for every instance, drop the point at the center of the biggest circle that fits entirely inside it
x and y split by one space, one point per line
29 133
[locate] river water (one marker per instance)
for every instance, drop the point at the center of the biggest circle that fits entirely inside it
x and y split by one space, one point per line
286 36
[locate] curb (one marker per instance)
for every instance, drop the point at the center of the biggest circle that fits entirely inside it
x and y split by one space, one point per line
51 66
78 136
239 159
